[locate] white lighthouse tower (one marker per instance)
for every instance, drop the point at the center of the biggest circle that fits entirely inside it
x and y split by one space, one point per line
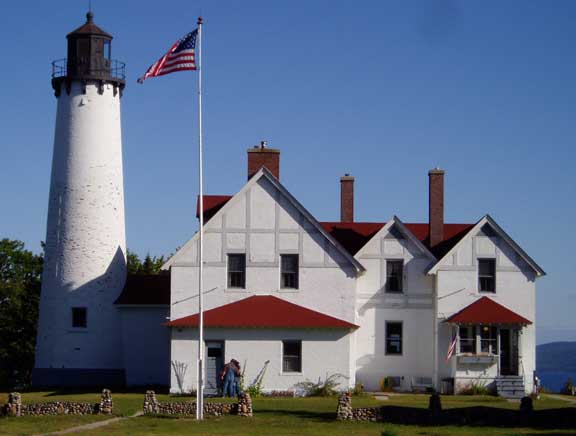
79 341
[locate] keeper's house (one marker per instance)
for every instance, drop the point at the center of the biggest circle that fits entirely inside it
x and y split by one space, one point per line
425 304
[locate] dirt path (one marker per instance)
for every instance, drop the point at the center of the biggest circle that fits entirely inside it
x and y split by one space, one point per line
90 426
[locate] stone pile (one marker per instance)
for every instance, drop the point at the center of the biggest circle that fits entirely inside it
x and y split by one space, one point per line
345 412
245 405
14 407
106 402
153 407
344 409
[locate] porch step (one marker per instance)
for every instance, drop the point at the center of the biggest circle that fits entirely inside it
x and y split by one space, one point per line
510 386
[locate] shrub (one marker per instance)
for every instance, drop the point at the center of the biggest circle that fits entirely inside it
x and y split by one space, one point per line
322 388
255 388
386 384
358 389
477 387
568 388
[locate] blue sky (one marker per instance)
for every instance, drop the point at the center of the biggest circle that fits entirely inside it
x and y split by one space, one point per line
381 90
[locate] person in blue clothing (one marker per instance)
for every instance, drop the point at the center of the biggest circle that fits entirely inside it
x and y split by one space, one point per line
228 376
237 376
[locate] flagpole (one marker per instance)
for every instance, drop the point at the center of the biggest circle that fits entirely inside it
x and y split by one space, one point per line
200 366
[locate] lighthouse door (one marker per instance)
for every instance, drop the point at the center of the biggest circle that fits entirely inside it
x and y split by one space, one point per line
214 364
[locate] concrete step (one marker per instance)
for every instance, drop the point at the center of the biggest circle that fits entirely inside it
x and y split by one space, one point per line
510 386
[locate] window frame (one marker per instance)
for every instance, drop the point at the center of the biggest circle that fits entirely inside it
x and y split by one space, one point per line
387 284
469 339
491 340
84 317
387 339
492 262
229 271
295 273
298 357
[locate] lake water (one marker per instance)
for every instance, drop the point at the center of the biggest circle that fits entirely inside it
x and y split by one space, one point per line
554 381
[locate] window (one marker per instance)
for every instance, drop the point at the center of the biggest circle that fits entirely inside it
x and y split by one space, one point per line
393 338
486 275
291 356
107 49
467 339
488 340
394 271
289 271
79 317
237 270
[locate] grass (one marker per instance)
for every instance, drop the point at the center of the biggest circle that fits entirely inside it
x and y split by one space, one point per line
278 416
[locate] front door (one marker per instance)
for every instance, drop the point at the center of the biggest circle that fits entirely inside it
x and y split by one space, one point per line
508 351
214 364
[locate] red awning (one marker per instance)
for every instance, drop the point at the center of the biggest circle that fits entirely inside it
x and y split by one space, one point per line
487 311
263 311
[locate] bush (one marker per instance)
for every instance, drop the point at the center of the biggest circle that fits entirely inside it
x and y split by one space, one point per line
568 388
477 388
387 384
358 390
322 388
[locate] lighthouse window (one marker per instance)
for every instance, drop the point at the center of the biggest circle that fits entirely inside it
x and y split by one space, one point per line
79 317
107 49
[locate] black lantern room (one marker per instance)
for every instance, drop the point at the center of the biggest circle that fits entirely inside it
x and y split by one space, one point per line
89 58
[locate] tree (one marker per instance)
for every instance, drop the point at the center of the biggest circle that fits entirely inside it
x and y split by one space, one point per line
151 265
20 278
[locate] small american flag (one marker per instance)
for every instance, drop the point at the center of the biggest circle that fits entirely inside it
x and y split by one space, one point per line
180 57
451 348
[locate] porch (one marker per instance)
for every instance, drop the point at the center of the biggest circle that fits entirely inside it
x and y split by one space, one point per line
488 349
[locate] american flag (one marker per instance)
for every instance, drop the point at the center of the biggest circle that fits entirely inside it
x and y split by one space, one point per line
180 57
451 348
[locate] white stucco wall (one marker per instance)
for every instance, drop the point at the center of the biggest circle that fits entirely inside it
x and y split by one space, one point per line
260 222
413 307
145 345
263 225
85 262
324 352
458 287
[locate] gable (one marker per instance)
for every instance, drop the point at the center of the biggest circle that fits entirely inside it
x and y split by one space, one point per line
263 219
487 240
394 239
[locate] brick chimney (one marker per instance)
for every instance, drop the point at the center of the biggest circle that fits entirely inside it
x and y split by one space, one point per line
261 156
347 198
436 206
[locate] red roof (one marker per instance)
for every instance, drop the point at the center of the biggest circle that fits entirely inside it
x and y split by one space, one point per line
353 236
147 289
453 233
487 311
212 204
263 311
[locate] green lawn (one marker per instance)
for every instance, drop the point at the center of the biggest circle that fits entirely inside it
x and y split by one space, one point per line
274 416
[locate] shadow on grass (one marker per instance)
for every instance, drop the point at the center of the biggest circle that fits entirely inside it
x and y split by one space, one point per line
307 415
481 416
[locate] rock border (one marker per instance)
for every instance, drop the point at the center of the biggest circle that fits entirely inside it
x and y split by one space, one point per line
184 408
15 408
